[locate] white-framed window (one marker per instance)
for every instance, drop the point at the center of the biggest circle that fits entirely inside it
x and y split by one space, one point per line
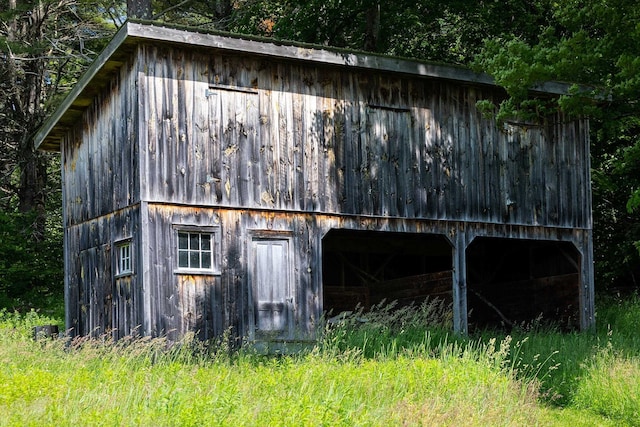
197 250
124 263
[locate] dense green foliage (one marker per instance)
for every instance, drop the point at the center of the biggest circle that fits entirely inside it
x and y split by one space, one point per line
596 44
44 46
31 271
389 370
449 31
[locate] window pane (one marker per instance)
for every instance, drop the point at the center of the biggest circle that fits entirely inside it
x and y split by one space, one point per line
183 240
124 258
194 259
183 259
194 241
195 250
205 241
206 260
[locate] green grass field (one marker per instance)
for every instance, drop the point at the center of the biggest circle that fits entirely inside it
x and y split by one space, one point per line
391 370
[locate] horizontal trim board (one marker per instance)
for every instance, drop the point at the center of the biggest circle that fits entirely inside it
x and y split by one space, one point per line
231 89
222 208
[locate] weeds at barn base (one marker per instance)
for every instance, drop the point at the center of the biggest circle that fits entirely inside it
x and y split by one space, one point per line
403 371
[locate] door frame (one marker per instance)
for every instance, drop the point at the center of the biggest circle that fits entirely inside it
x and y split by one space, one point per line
254 235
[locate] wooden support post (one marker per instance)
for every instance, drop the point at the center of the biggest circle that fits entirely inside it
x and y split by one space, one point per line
145 318
460 324
70 299
587 291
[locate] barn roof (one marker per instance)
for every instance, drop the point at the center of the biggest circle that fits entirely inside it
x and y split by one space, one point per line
133 33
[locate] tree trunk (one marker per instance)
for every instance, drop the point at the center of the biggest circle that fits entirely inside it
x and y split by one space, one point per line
33 181
25 99
140 9
373 28
223 8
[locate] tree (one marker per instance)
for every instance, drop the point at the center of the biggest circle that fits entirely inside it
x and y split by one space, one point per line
213 14
44 45
448 31
595 43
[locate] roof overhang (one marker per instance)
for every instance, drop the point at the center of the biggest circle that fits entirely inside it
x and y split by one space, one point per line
133 33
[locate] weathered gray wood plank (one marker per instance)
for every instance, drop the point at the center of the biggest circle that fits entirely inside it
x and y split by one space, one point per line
292 146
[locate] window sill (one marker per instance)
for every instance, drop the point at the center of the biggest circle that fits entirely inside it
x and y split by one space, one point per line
121 275
195 272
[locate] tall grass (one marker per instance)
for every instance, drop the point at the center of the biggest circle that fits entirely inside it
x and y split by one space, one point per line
387 367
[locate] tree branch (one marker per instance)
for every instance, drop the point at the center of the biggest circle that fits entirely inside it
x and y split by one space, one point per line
169 9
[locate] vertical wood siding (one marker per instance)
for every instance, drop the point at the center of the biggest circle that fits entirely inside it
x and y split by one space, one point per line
212 304
181 303
100 194
294 149
96 301
242 132
100 157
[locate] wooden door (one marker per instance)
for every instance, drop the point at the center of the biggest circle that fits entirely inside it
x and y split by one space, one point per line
273 302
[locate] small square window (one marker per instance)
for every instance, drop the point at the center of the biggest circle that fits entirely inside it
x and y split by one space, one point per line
196 251
124 265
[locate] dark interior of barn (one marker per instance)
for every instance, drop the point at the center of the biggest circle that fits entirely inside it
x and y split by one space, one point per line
510 282
367 267
520 283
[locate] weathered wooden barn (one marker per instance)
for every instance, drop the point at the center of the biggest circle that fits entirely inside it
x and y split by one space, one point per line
213 182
